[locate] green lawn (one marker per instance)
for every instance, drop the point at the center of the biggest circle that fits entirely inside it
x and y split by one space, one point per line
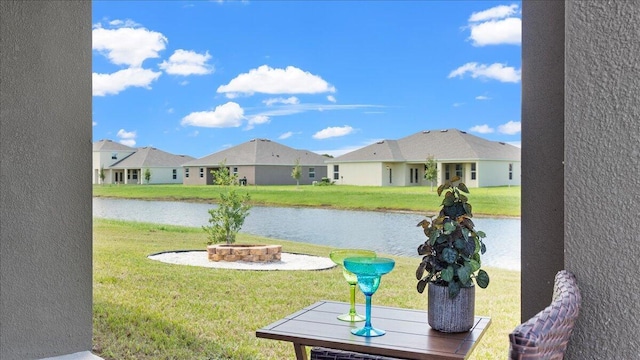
145 309
493 201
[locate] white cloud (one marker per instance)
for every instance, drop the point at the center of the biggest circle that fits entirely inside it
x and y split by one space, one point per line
333 132
497 25
226 115
257 120
510 128
482 97
268 80
331 98
482 129
128 46
185 62
497 12
286 135
123 23
111 84
93 123
495 32
458 104
288 101
127 137
495 71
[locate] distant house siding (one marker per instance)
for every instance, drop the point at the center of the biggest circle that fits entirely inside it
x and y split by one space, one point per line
104 159
496 173
368 174
194 175
163 175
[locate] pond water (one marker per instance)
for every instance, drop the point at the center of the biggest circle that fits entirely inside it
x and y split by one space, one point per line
384 232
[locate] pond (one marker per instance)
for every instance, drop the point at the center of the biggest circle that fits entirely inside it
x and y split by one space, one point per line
384 232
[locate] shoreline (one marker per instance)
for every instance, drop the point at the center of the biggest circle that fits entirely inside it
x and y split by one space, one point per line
205 201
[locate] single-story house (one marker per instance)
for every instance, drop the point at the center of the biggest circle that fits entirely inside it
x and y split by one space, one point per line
477 161
260 162
126 165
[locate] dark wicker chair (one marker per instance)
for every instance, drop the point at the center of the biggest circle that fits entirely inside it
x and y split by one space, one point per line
319 353
546 335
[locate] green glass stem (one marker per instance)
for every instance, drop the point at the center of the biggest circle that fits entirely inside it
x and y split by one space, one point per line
352 294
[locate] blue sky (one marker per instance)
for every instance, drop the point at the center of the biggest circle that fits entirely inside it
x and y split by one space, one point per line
197 77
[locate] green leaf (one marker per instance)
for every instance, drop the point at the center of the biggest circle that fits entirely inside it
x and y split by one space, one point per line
482 279
434 237
483 248
440 189
475 266
455 178
449 227
481 234
463 188
460 244
447 274
463 198
467 209
464 273
421 285
449 255
420 270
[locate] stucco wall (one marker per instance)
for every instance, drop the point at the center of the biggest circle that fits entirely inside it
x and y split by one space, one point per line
581 193
45 141
602 171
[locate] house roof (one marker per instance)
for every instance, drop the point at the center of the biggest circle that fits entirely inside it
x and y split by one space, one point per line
109 145
443 145
151 157
260 152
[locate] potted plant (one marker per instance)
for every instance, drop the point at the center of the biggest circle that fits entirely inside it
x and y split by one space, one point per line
451 261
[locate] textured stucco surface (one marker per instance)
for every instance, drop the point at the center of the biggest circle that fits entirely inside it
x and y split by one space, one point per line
602 188
45 179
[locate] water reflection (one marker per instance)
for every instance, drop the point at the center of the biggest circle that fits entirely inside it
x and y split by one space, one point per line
384 232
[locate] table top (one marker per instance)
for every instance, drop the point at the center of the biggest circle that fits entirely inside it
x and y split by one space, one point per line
408 333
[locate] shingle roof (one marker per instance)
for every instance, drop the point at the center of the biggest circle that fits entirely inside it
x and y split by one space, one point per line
260 152
108 145
152 157
443 145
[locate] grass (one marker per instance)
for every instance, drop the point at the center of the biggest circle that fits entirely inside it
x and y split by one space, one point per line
145 309
491 201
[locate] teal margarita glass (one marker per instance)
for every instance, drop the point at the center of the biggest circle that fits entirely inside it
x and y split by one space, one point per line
369 272
338 256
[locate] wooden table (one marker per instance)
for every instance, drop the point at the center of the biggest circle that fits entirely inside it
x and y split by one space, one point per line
408 334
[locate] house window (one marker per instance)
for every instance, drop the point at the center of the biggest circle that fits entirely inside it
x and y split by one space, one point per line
175 174
312 173
235 171
473 171
186 172
132 174
114 156
336 172
411 175
510 171
390 176
459 170
446 172
201 172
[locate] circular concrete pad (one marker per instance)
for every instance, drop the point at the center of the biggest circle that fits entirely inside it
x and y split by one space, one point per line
288 261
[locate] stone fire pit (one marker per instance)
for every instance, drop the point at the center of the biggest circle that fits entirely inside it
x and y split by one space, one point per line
249 253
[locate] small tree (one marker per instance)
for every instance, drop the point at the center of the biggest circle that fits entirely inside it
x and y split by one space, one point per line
222 175
227 219
102 174
147 175
296 172
431 170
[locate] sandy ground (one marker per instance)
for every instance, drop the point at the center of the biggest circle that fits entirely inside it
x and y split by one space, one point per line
288 261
